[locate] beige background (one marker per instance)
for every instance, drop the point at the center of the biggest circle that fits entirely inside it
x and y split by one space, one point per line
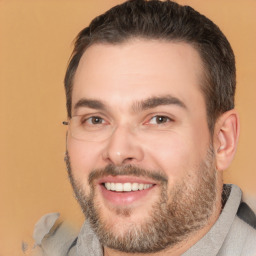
35 44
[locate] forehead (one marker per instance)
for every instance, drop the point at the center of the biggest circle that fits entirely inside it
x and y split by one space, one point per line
136 69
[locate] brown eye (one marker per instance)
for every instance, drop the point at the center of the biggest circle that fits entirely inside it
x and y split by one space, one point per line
162 119
159 120
96 120
93 120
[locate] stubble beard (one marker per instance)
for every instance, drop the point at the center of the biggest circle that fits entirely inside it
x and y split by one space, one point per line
173 218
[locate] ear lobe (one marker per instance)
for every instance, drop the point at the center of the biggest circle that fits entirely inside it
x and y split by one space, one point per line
226 135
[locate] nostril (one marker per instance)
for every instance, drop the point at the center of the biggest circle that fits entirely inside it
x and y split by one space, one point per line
128 160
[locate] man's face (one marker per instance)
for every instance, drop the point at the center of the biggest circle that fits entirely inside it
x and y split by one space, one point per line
154 165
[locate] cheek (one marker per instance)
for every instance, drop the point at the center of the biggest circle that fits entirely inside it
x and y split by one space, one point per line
178 154
83 157
169 155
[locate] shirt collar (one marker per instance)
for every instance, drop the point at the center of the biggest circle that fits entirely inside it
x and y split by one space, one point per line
89 245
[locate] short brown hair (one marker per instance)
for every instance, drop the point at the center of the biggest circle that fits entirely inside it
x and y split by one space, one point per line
171 22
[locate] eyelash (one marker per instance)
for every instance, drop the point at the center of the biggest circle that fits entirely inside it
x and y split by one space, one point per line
85 119
166 122
166 119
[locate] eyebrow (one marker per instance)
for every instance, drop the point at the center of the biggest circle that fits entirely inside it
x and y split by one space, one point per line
90 103
137 106
154 102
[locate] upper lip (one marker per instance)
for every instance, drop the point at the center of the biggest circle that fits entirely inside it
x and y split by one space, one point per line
125 179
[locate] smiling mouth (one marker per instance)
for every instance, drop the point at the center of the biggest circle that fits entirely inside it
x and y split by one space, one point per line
126 187
123 190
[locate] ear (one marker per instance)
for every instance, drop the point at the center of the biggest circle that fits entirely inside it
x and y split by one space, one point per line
226 135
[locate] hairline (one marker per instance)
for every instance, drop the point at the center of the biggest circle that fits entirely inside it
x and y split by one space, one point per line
204 79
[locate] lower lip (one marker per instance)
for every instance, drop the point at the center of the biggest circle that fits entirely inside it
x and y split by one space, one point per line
124 198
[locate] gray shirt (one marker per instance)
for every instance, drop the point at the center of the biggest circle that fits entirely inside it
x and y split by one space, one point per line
231 235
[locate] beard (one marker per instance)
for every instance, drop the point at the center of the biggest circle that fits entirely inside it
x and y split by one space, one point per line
178 213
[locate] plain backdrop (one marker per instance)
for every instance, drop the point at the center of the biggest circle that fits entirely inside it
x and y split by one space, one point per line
35 44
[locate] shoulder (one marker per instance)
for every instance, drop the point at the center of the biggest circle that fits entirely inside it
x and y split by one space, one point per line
52 236
241 239
246 214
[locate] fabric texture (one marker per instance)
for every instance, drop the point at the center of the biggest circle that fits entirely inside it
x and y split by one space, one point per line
233 234
230 235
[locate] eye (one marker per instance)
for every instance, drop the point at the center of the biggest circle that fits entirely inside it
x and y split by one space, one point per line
94 120
159 120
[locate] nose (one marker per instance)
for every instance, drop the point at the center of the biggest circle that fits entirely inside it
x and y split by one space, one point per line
123 147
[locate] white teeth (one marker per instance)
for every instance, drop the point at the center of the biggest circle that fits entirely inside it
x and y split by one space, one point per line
119 187
108 185
141 186
127 187
135 186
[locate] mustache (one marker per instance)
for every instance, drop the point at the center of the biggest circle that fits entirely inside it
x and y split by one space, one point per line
126 170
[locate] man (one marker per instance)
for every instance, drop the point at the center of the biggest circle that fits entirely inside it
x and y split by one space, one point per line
151 126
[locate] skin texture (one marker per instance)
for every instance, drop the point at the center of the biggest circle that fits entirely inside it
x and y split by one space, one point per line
122 77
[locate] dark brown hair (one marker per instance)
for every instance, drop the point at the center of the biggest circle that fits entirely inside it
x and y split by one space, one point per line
171 22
